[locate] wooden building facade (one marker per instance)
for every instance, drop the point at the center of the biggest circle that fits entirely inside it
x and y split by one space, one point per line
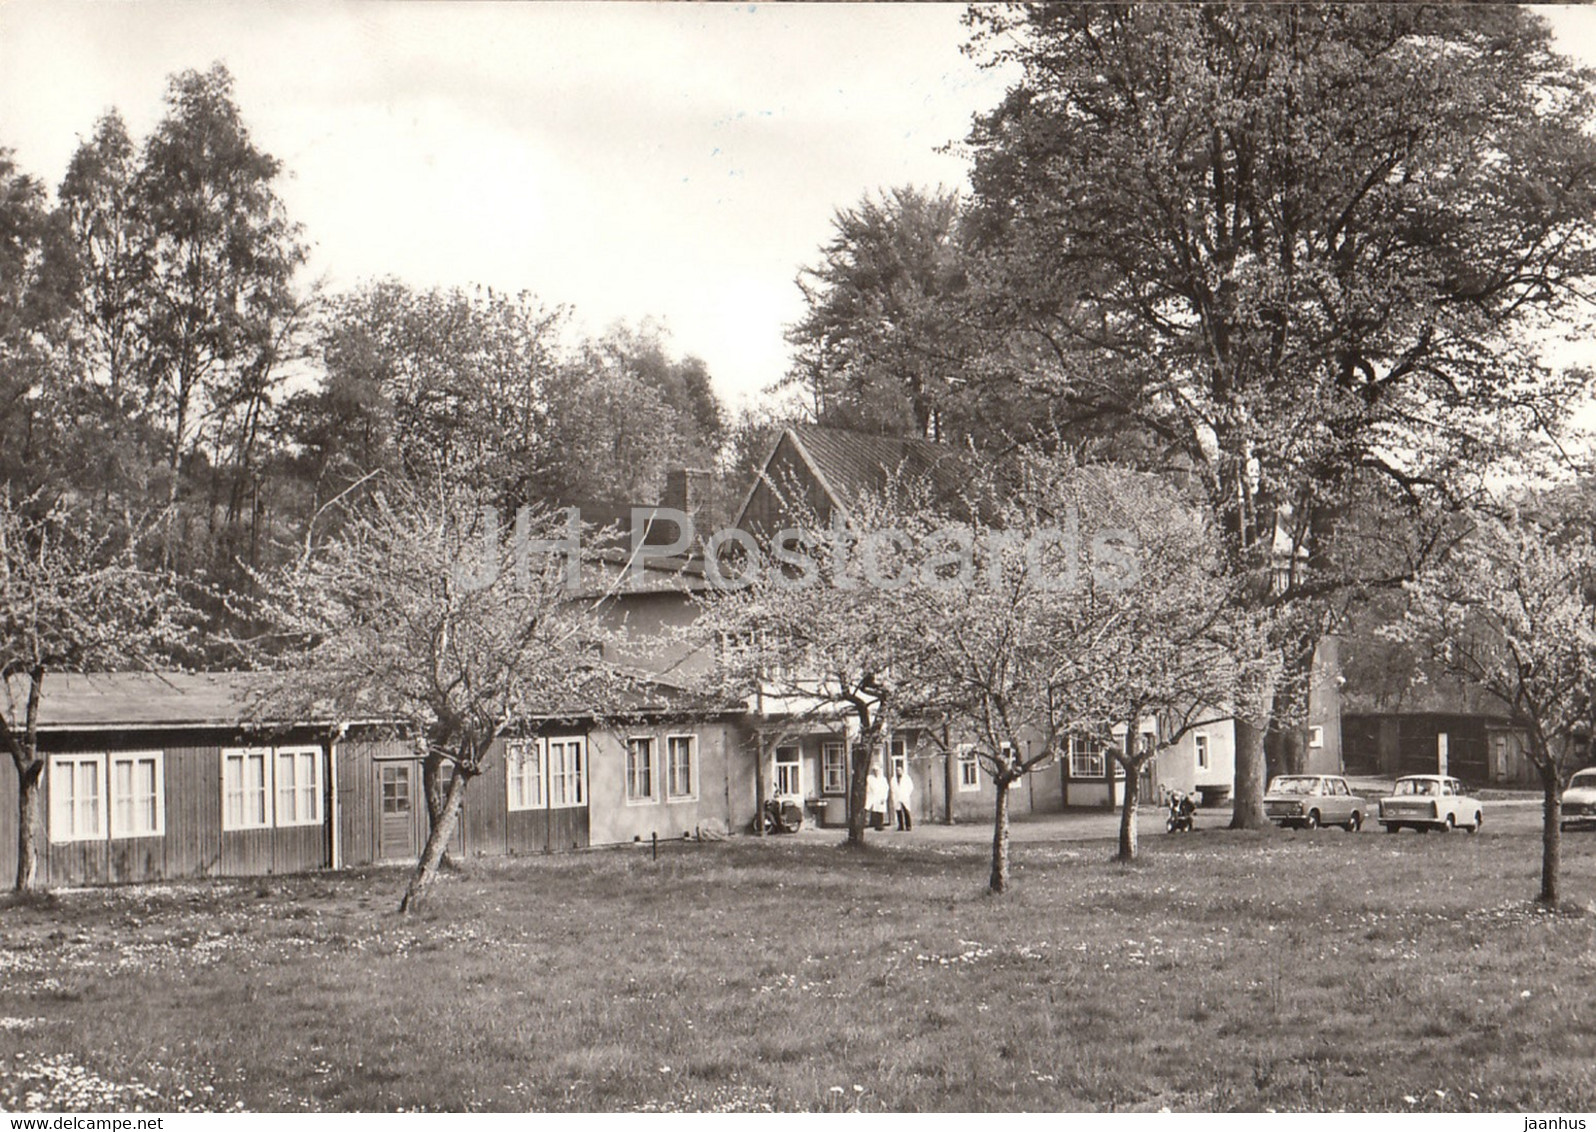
156 777
1479 748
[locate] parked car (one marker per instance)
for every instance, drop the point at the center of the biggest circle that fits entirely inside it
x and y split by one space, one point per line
1579 800
1312 800
1430 801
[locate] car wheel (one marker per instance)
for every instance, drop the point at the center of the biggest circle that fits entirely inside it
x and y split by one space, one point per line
1355 822
1479 820
1392 827
1311 821
1424 828
1451 824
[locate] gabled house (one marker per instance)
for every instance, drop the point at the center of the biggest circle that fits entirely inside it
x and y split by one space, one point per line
803 749
803 754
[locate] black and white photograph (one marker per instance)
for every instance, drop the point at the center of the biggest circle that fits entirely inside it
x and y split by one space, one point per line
679 557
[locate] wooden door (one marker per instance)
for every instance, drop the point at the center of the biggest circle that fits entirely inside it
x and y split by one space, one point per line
396 817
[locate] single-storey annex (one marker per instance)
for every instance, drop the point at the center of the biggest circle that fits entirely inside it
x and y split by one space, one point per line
154 776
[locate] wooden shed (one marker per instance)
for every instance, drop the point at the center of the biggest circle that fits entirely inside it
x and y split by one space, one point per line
160 776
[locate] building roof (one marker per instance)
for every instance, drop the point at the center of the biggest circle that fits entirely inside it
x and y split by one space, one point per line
130 701
851 464
144 699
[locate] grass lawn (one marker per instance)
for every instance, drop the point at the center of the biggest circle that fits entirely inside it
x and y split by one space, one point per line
1225 971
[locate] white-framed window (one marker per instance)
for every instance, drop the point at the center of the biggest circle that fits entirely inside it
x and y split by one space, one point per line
298 786
898 757
567 772
969 768
1086 758
1316 736
77 797
120 794
833 768
681 767
640 769
264 787
523 769
789 771
138 794
246 788
1200 743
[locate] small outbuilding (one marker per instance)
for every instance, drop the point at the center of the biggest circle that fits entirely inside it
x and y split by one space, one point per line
153 776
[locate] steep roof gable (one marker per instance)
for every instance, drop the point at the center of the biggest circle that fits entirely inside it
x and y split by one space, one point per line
845 466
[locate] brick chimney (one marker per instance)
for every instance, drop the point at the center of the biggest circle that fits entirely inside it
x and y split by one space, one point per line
687 489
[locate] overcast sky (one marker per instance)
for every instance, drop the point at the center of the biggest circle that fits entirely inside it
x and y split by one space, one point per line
674 161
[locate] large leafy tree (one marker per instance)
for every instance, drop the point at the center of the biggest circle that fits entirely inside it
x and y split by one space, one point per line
425 608
74 597
1293 245
32 293
109 261
895 337
1512 612
682 384
817 622
222 253
418 379
880 346
487 382
171 265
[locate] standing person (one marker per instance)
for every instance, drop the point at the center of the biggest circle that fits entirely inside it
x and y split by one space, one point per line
903 791
876 798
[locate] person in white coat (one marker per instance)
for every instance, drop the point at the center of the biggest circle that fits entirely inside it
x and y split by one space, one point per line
876 798
903 791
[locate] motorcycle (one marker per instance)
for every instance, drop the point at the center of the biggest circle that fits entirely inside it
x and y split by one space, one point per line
780 816
1182 814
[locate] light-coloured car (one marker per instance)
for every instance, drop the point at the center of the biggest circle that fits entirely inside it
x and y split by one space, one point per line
1430 801
1312 800
1579 800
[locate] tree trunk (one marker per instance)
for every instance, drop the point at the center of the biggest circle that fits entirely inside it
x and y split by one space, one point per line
759 783
1294 744
999 881
437 843
1287 743
432 790
1285 750
1248 810
863 752
950 772
28 824
1127 814
1551 832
